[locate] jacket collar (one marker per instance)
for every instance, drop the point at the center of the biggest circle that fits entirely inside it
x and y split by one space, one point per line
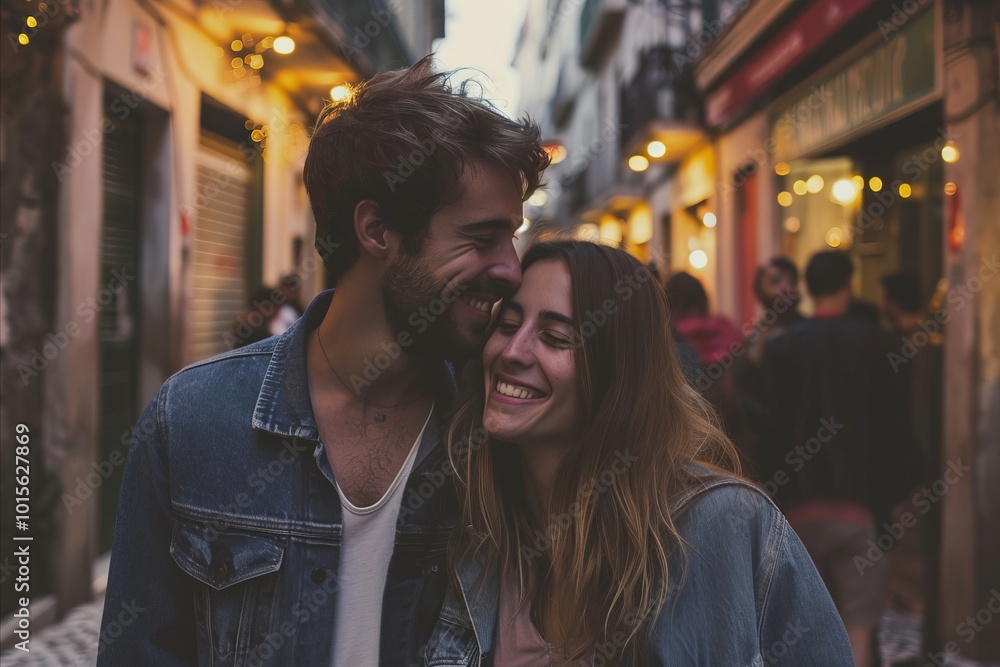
481 595
283 405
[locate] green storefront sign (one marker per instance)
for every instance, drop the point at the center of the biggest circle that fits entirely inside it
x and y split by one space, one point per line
897 72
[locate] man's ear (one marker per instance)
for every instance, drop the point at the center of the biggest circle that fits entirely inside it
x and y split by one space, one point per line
372 231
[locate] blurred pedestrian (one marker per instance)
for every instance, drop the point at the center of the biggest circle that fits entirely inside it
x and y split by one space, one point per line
686 354
255 323
291 306
835 431
776 286
711 335
714 338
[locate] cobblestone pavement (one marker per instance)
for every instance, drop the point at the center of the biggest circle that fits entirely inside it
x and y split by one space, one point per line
70 643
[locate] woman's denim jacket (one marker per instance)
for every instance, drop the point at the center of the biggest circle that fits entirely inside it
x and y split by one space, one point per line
229 524
751 596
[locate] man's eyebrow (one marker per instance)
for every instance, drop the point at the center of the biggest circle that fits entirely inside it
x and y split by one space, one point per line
494 224
543 314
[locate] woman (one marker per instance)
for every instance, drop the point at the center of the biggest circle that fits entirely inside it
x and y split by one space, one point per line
601 526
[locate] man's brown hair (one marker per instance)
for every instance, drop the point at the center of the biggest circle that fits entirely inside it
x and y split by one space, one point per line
403 139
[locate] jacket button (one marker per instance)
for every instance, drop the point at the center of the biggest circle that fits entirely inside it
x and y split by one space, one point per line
318 575
218 572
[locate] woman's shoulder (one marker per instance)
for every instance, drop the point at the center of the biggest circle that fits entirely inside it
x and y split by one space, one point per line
718 508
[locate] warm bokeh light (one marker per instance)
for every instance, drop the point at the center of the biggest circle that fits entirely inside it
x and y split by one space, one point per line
237 45
949 153
859 182
785 198
710 220
844 191
875 183
588 232
656 149
557 152
698 259
284 44
815 184
799 187
950 188
792 224
339 93
23 39
236 62
782 169
905 190
638 163
611 229
834 237
31 21
255 61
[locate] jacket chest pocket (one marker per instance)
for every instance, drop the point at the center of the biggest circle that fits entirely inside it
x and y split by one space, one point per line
235 603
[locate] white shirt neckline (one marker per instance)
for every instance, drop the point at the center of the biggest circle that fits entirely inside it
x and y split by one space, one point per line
404 472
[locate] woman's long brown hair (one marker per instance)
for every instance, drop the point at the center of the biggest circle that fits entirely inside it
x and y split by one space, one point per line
597 568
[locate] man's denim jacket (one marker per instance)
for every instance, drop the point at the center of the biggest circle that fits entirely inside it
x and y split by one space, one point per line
751 595
229 528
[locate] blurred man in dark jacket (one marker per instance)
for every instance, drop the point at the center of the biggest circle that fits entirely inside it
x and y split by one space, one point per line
836 425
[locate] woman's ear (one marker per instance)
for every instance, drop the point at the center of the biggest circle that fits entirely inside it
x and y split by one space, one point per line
374 235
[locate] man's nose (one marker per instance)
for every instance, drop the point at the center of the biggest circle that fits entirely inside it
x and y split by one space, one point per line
506 269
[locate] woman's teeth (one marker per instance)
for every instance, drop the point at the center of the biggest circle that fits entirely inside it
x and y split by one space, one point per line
514 391
484 306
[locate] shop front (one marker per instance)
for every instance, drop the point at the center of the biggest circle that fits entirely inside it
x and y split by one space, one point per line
859 154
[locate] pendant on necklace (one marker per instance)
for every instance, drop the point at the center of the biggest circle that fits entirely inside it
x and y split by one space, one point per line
380 416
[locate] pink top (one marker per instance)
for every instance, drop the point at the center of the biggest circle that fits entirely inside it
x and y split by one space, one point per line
519 644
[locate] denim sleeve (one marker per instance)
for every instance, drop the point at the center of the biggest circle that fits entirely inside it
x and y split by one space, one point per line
799 624
148 609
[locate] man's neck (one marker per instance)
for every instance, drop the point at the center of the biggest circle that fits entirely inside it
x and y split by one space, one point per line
359 352
831 306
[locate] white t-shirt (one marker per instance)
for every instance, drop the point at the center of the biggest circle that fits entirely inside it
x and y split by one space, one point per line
365 550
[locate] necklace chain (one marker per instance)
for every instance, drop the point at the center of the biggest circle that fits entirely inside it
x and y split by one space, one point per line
380 414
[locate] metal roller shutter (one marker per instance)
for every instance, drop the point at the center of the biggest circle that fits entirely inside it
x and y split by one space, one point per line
219 258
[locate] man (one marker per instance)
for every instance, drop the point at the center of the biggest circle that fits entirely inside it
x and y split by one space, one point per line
776 286
287 503
835 427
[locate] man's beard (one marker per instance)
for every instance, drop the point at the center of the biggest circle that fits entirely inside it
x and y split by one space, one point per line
408 287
